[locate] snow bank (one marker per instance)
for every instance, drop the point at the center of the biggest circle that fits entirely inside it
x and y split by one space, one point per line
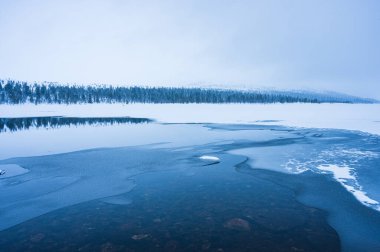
362 117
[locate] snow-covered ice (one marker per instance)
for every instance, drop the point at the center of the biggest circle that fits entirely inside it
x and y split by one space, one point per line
341 173
362 117
344 175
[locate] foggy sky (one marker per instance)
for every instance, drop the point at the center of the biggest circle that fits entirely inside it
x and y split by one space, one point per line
320 45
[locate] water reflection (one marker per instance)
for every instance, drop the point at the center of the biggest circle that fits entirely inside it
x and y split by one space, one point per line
24 123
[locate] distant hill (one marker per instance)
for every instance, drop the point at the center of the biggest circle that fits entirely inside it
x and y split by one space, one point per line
17 92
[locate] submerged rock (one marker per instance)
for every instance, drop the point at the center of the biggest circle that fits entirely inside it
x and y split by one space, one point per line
206 245
238 224
37 237
139 236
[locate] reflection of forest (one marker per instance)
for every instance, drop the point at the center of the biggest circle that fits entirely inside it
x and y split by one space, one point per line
15 124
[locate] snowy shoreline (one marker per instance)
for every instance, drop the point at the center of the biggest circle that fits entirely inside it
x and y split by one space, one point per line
361 117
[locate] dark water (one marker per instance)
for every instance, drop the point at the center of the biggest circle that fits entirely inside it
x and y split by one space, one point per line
165 198
24 123
182 211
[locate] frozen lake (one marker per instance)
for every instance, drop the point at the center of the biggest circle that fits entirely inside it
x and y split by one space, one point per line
95 182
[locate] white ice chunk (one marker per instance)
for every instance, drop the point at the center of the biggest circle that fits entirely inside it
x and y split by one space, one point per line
209 158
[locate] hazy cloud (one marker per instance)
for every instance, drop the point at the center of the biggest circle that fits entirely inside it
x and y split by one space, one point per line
284 44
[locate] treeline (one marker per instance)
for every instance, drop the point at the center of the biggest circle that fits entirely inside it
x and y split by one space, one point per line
16 92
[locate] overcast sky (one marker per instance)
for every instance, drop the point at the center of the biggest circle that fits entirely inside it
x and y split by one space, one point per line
322 44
